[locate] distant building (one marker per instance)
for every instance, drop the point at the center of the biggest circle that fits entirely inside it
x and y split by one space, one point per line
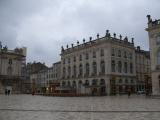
31 68
154 42
47 79
102 66
12 63
143 69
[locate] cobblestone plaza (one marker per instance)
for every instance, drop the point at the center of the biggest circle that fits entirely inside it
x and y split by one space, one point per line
27 107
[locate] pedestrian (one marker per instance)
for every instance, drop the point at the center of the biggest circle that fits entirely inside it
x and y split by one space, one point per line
5 91
9 92
129 93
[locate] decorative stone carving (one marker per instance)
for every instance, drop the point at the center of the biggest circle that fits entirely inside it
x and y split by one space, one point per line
97 35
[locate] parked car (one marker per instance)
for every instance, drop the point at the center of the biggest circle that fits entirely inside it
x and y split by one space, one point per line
141 92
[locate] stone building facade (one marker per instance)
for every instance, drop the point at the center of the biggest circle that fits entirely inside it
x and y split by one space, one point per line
30 69
154 42
47 79
98 67
143 69
11 69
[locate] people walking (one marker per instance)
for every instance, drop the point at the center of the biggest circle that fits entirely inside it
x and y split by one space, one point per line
129 93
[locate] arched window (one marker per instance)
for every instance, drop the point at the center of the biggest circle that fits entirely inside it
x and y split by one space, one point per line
102 67
119 66
74 71
158 57
87 68
102 82
94 82
94 68
113 66
131 68
80 70
119 53
125 67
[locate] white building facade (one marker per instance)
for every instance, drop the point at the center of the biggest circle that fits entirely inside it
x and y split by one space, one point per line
102 66
11 65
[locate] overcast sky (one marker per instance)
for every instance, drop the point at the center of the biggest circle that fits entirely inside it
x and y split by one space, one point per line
43 26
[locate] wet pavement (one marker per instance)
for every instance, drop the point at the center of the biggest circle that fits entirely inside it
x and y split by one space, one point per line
28 107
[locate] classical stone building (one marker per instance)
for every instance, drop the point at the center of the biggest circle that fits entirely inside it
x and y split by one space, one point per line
154 42
143 69
30 69
47 79
102 66
11 68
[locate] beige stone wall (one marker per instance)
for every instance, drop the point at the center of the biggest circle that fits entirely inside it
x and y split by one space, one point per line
153 31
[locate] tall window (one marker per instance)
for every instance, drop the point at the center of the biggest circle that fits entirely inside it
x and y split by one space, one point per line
69 84
130 55
64 71
113 66
63 61
113 52
158 39
69 71
102 82
125 67
94 54
74 84
10 61
9 70
80 70
74 71
87 68
94 82
69 60
102 52
94 68
119 53
87 83
119 66
80 57
80 83
131 68
87 56
102 67
74 58
158 57
125 54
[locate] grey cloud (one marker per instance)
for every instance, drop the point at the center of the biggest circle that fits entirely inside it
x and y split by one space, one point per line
45 25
